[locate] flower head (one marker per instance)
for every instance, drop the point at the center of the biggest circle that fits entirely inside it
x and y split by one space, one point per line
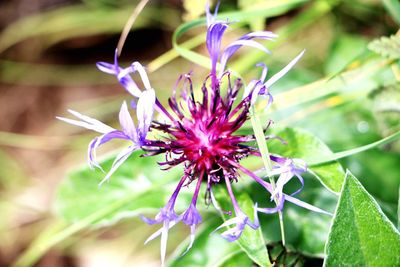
201 134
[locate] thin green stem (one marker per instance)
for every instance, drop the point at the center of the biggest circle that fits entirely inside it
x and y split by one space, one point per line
262 145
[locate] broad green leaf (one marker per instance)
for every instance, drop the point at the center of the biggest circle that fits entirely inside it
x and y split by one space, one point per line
136 185
304 145
134 188
361 235
386 46
251 241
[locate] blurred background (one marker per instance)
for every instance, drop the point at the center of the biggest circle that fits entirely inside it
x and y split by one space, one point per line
48 51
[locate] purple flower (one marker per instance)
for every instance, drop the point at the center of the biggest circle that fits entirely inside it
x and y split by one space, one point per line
129 131
123 75
241 219
200 134
168 218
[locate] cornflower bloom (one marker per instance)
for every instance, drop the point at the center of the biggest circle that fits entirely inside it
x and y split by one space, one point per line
200 134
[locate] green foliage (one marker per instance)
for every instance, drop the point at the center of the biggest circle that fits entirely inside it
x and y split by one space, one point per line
208 249
251 241
386 108
235 259
393 6
304 145
344 51
136 186
361 235
312 101
386 46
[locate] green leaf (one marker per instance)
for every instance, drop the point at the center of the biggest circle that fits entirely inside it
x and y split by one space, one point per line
353 151
386 46
251 241
398 212
134 188
208 248
235 259
345 50
361 235
306 231
304 145
136 185
393 6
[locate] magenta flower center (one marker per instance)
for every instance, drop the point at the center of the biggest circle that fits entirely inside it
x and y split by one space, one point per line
203 137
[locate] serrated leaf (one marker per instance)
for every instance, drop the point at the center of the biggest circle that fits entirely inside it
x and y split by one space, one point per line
251 241
304 145
361 234
386 46
136 185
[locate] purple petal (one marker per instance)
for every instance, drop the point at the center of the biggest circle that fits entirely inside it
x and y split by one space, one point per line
282 180
127 124
265 35
213 40
211 17
87 122
233 47
282 72
279 207
108 68
122 156
256 223
98 141
192 237
234 233
92 162
191 216
250 88
301 182
136 66
127 82
264 71
306 205
145 110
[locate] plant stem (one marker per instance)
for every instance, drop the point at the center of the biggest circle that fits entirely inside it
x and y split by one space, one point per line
262 145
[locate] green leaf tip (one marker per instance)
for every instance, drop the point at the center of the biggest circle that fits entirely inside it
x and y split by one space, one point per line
361 234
